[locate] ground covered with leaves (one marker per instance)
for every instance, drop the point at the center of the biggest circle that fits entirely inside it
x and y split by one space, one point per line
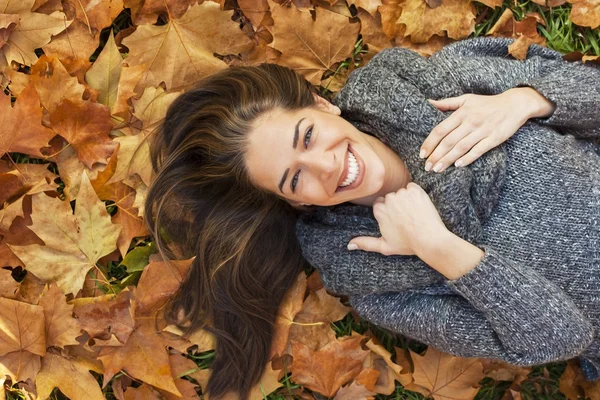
82 289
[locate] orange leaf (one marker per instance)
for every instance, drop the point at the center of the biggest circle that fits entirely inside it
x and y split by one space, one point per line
447 376
61 327
70 375
86 127
327 369
22 124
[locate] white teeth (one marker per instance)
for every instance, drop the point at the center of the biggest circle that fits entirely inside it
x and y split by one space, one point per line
352 170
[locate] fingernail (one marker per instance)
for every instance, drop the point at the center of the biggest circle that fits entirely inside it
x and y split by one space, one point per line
352 246
437 167
428 166
422 154
459 163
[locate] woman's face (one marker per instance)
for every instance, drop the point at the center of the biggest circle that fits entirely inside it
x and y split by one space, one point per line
304 156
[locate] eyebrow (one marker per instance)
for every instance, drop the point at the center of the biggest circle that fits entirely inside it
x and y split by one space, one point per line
294 145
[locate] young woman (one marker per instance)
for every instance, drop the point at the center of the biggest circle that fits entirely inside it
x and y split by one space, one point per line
499 258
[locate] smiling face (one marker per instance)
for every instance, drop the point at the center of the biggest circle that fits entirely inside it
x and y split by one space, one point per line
329 161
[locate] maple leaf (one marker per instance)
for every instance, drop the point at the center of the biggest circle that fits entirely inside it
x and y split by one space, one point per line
107 315
124 198
105 73
74 47
446 376
456 17
33 30
147 11
73 243
23 131
22 327
71 375
308 54
61 327
585 13
20 365
330 367
291 304
26 180
8 286
96 14
181 52
54 84
144 355
86 127
133 155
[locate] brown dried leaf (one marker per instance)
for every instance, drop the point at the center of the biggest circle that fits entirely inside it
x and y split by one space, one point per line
20 365
585 13
181 52
86 127
73 243
105 73
96 14
33 30
327 369
70 375
290 306
61 327
446 376
23 131
309 54
456 18
54 84
22 327
104 316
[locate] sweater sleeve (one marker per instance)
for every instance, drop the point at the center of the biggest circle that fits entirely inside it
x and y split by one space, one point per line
483 66
502 311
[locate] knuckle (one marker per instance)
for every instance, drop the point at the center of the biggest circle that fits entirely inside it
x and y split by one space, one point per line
462 147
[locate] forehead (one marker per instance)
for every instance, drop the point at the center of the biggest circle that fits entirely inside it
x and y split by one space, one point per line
269 148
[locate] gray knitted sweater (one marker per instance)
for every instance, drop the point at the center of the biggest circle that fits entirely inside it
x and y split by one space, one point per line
532 205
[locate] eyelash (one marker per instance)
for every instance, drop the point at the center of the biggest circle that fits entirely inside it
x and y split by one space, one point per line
308 136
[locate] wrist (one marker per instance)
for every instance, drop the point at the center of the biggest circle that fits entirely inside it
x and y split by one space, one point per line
451 255
534 103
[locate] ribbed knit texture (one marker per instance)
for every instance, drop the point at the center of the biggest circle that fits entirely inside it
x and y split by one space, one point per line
532 204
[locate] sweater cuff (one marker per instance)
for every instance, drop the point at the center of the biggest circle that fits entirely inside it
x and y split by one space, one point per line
549 92
572 109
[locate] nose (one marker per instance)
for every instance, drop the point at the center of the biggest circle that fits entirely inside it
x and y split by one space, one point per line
324 166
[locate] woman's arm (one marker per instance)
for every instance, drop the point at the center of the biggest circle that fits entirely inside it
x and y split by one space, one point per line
483 66
505 311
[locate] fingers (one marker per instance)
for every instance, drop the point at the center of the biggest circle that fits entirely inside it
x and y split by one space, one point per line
456 145
477 151
447 104
366 243
438 133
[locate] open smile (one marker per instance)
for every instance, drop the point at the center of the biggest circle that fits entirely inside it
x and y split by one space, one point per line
345 173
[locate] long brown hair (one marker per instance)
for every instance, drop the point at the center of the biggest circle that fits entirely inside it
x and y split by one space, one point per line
203 203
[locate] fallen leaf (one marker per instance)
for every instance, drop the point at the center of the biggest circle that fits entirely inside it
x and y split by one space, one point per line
447 376
22 327
70 375
61 327
328 368
73 243
311 55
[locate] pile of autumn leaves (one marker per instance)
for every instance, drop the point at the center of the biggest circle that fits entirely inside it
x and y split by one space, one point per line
92 120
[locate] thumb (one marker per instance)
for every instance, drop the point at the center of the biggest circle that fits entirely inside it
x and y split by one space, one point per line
450 103
366 243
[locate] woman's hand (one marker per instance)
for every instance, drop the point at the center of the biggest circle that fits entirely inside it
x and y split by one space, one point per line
479 124
408 221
